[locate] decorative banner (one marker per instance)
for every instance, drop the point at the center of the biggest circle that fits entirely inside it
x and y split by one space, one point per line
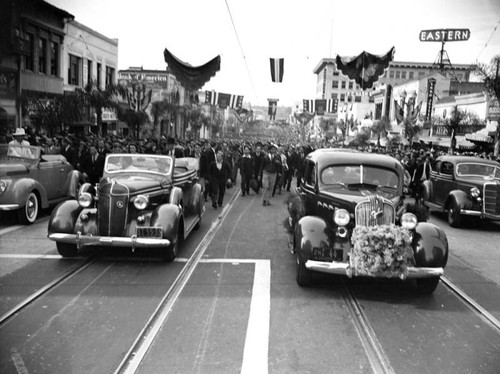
191 77
431 84
366 68
320 106
399 112
242 114
273 107
277 68
414 112
223 100
388 95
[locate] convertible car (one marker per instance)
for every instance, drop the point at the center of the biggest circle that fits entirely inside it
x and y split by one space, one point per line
142 201
30 181
350 218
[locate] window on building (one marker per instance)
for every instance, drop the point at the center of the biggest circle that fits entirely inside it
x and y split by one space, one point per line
410 75
357 99
342 97
335 73
42 55
349 98
357 87
335 84
28 59
110 76
334 96
351 85
421 73
378 111
391 74
74 70
89 71
398 74
54 59
403 74
98 77
343 84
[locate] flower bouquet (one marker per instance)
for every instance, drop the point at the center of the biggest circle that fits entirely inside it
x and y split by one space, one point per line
381 251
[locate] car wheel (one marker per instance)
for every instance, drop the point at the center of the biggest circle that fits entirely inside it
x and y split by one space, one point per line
27 215
304 275
171 251
454 216
426 286
67 250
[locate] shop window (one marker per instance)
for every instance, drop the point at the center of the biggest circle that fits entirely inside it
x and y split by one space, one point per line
74 70
54 59
42 55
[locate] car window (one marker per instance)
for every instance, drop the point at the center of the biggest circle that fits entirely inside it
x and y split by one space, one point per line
447 168
311 174
475 170
138 162
338 175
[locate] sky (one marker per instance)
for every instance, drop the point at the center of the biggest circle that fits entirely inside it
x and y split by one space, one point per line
300 31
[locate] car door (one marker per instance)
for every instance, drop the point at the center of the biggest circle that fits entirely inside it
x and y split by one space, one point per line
443 182
54 177
308 188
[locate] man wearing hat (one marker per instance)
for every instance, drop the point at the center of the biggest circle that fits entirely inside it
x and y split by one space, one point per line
16 145
172 150
271 164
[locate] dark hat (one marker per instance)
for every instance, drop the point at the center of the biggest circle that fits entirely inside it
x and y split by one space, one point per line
170 140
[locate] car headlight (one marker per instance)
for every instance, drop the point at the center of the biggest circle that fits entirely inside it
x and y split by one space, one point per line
85 199
141 202
409 221
341 217
474 191
3 186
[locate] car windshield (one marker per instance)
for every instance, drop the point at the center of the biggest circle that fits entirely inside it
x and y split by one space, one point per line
20 151
138 163
475 170
353 175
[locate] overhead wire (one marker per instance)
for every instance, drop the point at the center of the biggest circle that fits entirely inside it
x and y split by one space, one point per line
242 52
486 44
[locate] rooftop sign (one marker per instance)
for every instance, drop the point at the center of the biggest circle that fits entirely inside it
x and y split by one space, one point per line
444 35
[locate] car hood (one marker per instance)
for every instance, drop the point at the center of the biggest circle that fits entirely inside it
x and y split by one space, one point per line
138 183
353 197
9 169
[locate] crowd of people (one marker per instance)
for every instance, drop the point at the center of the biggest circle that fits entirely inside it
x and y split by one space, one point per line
263 167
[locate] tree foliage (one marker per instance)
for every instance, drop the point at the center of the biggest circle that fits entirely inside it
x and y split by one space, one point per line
381 128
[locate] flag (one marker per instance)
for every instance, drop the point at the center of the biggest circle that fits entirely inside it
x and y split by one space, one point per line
236 101
413 115
273 106
332 105
308 106
224 100
277 65
211 97
399 112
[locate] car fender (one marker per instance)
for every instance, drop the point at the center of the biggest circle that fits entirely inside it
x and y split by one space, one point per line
169 217
197 200
311 232
461 198
176 196
427 191
430 245
72 183
21 188
64 216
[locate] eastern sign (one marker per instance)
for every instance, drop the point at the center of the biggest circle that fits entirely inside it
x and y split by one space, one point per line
444 35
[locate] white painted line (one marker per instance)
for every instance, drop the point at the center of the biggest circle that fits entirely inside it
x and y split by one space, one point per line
30 256
255 354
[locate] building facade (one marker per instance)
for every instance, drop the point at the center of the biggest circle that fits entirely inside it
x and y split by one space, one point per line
32 34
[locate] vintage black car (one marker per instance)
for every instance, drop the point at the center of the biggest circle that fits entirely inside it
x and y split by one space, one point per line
463 186
31 181
142 201
350 218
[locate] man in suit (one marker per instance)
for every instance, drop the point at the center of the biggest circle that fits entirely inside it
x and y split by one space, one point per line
172 150
93 166
220 174
271 165
246 165
69 152
206 159
258 157
422 173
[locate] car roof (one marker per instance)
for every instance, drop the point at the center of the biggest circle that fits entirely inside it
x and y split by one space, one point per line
346 156
454 159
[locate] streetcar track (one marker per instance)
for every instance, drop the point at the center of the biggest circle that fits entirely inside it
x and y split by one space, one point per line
472 304
45 289
374 351
133 358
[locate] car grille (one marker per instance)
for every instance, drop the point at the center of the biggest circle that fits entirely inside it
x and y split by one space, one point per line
113 209
374 211
492 198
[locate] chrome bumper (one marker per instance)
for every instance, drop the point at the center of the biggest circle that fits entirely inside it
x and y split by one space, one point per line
109 241
477 213
342 268
9 206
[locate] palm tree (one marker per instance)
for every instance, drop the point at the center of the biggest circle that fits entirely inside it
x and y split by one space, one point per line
411 130
381 127
453 123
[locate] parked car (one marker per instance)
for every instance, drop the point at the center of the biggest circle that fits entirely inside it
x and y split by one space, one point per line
464 186
142 201
30 181
353 220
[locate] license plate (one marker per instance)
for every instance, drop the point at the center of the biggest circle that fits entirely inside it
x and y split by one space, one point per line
149 232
